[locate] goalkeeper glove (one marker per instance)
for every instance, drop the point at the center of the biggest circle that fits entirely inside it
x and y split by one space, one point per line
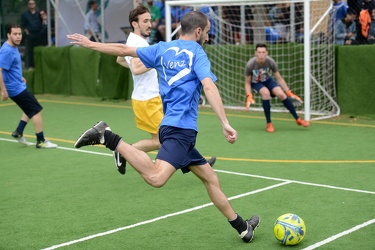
294 97
249 100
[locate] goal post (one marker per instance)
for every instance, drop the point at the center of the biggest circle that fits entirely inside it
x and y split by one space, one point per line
298 42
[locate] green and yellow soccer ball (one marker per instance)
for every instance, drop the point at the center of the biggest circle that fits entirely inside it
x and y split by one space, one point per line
289 229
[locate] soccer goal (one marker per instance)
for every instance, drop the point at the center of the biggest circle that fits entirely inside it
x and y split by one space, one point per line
295 32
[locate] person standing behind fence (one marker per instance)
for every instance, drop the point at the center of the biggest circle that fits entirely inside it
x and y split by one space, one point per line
92 27
13 86
32 26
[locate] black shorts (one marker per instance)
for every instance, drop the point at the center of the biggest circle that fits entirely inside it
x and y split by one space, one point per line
178 148
28 103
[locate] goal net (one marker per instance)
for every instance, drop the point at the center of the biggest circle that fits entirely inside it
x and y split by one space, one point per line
307 65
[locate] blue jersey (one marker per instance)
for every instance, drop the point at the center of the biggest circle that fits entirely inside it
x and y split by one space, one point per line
10 62
181 66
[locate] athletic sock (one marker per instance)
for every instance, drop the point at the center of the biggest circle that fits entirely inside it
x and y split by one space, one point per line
21 126
111 140
40 137
239 224
289 105
267 110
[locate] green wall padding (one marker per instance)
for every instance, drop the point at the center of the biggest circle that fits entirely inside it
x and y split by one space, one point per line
114 79
53 72
355 66
84 70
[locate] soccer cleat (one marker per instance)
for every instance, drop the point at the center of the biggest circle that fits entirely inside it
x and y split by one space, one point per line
93 136
19 137
270 128
252 224
212 161
120 162
304 123
45 144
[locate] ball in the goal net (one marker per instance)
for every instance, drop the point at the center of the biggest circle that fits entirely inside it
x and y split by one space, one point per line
289 229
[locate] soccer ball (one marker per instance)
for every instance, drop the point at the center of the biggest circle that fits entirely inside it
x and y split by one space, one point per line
289 229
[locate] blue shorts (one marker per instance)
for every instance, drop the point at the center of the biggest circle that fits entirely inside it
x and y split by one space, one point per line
28 103
269 84
178 148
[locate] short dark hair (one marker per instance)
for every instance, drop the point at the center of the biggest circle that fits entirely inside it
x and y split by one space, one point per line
91 3
139 10
260 45
12 26
192 20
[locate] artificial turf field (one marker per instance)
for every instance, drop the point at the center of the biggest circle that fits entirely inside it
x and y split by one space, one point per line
69 198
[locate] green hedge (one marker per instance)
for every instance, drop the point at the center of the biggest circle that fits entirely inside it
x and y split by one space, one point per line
78 71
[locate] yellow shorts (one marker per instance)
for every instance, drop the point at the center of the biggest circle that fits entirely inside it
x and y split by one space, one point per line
148 114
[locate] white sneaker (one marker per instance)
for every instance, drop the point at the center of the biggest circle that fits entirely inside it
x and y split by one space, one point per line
46 144
22 140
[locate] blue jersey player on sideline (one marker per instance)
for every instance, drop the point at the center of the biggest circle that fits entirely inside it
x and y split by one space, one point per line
13 86
183 69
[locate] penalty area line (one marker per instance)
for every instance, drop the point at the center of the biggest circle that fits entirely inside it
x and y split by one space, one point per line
160 218
335 237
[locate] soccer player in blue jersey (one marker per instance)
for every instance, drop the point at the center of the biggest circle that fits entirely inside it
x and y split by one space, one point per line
13 86
183 69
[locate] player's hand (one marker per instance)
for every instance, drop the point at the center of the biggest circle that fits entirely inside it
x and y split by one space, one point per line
294 97
79 40
229 133
249 100
4 95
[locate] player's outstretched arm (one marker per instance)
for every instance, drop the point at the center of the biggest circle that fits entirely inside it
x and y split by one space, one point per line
213 97
115 49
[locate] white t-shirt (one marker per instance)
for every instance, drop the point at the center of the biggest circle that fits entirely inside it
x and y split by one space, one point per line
146 85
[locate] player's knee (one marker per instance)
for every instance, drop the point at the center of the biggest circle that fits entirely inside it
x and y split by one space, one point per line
155 181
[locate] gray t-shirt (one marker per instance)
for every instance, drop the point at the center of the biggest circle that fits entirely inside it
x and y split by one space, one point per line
260 73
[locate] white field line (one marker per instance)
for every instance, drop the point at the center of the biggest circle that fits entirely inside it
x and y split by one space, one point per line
335 237
297 182
160 218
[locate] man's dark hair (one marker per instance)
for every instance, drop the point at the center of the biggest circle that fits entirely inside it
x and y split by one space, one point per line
260 45
193 20
11 26
133 15
91 3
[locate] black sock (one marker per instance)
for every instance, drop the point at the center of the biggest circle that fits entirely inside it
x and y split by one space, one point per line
267 110
111 140
21 126
239 224
40 137
289 105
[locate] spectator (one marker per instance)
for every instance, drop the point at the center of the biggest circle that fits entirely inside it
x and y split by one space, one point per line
232 14
44 30
338 11
155 19
177 14
365 18
210 14
280 17
161 26
92 27
371 32
32 25
345 29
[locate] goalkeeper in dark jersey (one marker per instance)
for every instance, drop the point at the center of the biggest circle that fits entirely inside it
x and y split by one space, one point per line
258 72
